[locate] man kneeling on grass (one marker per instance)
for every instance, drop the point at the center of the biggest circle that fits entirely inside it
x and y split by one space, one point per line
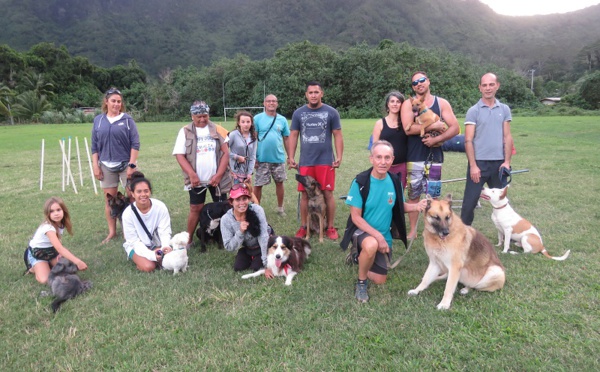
376 204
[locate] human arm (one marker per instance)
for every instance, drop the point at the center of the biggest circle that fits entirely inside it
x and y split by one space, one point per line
291 148
233 236
508 144
222 167
361 223
263 238
164 227
133 232
187 168
133 155
338 140
377 130
475 172
447 119
63 251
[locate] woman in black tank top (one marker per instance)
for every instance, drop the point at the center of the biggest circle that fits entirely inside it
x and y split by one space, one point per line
390 129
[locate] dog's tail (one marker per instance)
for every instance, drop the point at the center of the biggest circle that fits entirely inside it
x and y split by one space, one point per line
561 258
56 304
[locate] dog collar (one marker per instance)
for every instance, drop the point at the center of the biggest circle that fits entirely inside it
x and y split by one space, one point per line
422 112
178 249
501 206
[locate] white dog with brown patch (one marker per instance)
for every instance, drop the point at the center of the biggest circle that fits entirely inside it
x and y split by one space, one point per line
513 227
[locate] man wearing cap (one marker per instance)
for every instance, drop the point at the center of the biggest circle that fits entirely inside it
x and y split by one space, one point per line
203 155
244 229
488 144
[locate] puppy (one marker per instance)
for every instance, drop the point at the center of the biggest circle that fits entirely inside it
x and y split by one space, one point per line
317 210
248 183
64 283
457 252
177 259
285 257
209 226
117 204
511 226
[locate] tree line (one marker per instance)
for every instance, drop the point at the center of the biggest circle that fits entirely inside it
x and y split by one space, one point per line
47 84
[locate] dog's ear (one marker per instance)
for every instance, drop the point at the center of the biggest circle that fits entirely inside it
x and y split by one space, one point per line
428 203
109 197
448 198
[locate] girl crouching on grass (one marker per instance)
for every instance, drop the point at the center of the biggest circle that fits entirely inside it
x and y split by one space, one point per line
45 247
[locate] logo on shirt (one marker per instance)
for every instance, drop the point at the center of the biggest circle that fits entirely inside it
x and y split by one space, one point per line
390 198
349 197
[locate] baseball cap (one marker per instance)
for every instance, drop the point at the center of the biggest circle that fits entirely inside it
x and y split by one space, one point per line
238 190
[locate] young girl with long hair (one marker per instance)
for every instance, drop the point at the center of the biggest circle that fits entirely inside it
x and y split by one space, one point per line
45 247
242 147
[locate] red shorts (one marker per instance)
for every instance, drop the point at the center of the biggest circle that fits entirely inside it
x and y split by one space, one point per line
324 174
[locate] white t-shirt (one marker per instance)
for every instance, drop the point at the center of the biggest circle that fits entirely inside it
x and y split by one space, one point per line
206 158
40 239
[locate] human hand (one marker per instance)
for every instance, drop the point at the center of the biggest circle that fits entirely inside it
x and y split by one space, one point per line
81 265
194 180
269 273
167 249
336 163
475 174
244 226
241 159
382 245
215 180
421 205
292 163
98 173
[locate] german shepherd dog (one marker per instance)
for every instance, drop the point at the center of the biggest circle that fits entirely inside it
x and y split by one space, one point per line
117 204
457 252
209 225
285 257
317 209
65 283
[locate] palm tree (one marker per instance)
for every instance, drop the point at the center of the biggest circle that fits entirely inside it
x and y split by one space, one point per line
36 82
31 107
5 97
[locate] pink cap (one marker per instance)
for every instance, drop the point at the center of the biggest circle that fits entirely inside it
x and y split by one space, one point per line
236 192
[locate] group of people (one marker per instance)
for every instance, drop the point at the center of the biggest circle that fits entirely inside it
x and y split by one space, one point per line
222 164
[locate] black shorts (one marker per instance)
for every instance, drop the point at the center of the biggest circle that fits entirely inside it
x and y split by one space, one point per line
198 195
380 263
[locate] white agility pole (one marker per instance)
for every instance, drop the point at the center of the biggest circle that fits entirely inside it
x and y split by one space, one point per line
79 161
69 160
87 151
69 174
42 167
62 146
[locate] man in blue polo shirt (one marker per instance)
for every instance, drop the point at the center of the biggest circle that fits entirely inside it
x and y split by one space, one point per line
488 144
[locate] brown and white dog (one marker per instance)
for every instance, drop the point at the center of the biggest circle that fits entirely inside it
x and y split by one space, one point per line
513 227
285 257
423 114
317 209
457 252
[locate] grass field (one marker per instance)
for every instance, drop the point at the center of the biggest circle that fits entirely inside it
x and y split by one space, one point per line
545 318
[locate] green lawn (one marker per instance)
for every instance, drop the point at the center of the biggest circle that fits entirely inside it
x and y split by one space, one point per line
545 318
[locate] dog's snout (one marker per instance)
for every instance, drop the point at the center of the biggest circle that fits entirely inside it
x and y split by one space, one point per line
278 256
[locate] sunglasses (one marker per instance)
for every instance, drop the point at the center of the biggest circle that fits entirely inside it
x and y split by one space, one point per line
419 81
239 186
112 91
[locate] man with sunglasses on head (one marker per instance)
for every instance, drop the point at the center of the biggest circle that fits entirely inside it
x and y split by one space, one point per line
425 155
203 155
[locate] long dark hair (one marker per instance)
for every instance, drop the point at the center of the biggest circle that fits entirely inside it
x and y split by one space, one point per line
252 130
138 177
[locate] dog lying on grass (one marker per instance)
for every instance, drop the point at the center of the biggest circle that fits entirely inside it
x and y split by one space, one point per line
64 283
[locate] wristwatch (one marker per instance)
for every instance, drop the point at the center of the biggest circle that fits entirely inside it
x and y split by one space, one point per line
132 165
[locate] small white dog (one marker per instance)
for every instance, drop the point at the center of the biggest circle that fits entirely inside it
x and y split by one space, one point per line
513 227
177 260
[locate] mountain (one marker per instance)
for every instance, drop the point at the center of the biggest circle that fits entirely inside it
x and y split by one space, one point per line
170 33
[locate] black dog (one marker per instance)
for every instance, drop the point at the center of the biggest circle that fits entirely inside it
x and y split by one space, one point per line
65 283
117 204
209 226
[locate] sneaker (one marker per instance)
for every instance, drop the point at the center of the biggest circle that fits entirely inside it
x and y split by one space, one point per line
361 293
352 257
301 233
281 213
332 233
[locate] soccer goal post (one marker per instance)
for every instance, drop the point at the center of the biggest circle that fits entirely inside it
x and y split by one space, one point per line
251 109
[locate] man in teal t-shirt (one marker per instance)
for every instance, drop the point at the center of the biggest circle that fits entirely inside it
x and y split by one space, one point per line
273 132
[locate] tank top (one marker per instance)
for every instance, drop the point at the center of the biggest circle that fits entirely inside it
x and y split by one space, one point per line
398 138
417 151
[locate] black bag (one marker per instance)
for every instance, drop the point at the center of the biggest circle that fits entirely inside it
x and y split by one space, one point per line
45 254
119 168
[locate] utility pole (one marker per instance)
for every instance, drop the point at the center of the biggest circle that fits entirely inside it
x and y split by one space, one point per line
532 71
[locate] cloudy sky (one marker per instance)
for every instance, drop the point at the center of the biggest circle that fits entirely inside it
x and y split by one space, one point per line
534 7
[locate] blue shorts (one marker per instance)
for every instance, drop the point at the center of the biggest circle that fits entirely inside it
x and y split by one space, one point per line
30 260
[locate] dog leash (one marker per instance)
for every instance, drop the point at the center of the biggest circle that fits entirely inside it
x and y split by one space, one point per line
392 266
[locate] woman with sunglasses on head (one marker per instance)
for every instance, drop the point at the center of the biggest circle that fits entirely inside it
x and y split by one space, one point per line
115 148
244 228
146 226
390 128
242 147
